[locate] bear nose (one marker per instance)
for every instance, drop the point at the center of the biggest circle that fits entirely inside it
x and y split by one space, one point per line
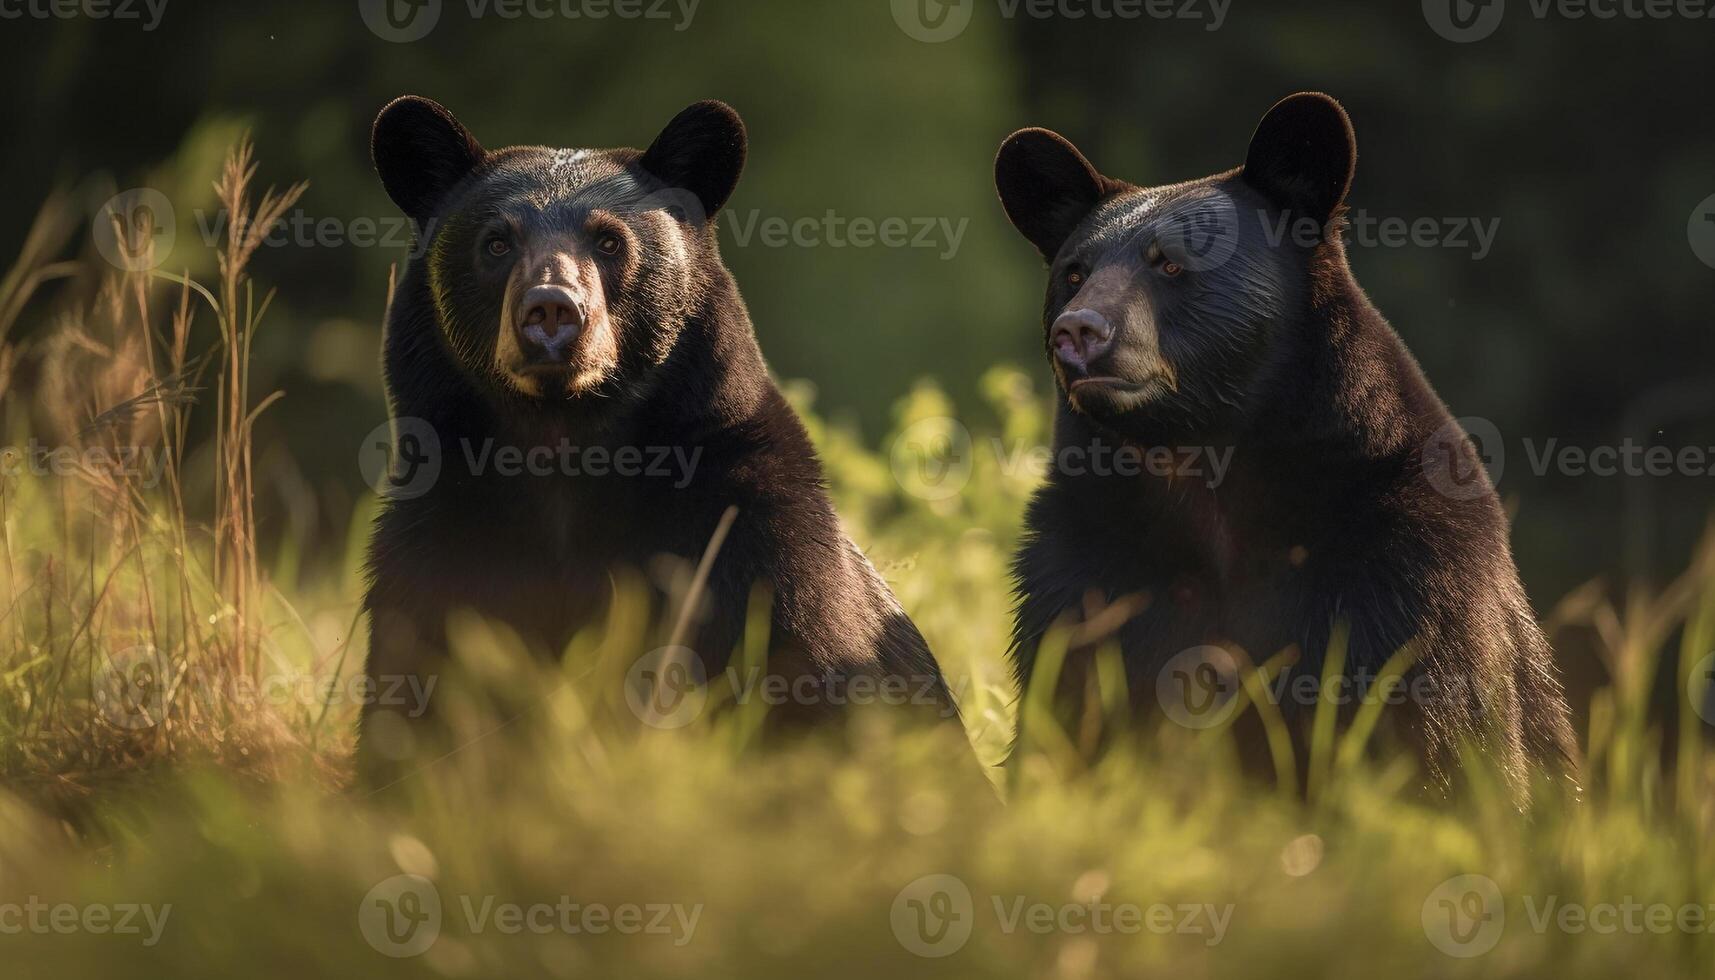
549 319
1080 336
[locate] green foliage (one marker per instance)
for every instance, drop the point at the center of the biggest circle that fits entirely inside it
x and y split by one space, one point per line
793 858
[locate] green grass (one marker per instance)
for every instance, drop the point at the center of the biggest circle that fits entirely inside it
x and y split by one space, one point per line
792 859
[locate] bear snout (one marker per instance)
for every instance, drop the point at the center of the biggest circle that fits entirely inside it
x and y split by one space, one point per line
550 318
555 338
1080 337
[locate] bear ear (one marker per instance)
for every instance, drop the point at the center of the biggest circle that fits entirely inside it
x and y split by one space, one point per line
1046 187
702 151
1303 154
420 151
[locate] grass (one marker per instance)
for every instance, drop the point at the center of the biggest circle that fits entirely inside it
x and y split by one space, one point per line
175 734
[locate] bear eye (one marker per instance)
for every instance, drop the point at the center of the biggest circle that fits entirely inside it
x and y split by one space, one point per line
1158 259
498 247
1074 277
608 245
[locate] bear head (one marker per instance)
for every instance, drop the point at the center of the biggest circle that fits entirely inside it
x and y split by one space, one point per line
1168 306
561 275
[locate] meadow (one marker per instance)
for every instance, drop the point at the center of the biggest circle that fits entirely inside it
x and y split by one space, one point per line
178 707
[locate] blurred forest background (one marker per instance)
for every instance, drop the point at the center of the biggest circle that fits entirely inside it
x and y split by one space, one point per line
1589 142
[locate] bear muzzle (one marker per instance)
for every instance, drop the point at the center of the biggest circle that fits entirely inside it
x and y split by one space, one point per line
555 337
1079 339
550 320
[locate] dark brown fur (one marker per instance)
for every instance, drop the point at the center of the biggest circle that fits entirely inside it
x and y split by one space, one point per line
676 365
1327 515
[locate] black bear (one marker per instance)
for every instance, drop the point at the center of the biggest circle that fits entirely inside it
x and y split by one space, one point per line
1249 463
567 334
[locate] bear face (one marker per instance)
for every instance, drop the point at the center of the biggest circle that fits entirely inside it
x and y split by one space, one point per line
561 275
1162 302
